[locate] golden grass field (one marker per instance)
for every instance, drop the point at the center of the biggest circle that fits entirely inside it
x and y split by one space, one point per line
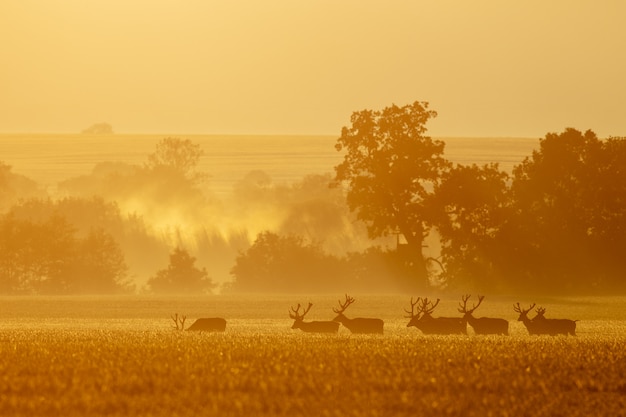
121 356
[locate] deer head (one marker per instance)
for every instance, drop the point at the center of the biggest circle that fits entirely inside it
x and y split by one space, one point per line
540 312
298 318
523 314
463 307
427 307
342 306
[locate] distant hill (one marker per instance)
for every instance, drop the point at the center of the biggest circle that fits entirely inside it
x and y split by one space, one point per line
99 129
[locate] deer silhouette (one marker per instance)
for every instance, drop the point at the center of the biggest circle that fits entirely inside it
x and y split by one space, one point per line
533 327
357 325
482 325
311 326
424 321
554 327
214 324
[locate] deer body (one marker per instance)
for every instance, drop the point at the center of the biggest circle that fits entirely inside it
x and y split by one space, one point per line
438 325
357 325
360 325
424 321
311 326
208 325
533 327
316 326
487 325
482 325
554 327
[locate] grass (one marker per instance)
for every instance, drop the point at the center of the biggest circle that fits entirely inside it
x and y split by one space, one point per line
86 359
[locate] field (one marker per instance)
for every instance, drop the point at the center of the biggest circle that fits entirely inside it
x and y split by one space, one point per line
121 356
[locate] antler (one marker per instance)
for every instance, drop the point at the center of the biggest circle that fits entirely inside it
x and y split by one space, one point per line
179 321
463 306
518 309
296 315
413 304
349 300
541 311
427 306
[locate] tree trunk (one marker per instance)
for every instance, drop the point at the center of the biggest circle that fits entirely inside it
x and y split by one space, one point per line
414 259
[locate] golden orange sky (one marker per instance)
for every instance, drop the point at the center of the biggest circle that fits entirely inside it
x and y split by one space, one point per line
490 68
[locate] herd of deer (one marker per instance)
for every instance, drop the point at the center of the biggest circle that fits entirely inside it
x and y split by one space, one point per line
420 317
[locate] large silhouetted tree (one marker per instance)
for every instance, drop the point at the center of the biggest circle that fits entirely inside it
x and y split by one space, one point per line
391 168
568 228
472 203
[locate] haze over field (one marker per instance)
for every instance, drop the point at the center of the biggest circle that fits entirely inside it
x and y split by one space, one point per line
490 68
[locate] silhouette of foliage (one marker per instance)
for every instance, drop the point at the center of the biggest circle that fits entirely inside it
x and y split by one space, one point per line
180 155
391 169
14 187
99 129
277 263
45 256
181 276
567 232
472 203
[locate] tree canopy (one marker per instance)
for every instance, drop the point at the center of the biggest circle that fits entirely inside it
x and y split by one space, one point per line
391 169
181 276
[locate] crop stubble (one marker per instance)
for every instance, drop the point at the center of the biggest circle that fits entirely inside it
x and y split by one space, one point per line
55 371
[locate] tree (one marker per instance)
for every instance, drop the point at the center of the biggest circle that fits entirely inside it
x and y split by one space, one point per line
14 187
180 155
473 203
569 219
277 263
44 256
181 276
391 169
99 129
99 267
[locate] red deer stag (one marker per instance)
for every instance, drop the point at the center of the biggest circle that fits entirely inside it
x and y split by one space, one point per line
424 321
532 326
214 324
357 325
554 327
311 326
482 325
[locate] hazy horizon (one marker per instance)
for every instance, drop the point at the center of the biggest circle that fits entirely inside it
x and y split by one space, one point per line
489 68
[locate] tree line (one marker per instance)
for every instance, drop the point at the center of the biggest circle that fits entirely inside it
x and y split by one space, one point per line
556 224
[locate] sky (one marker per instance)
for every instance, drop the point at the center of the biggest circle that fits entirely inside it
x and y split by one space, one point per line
488 67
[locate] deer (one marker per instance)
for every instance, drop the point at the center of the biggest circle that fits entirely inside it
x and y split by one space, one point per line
214 324
533 327
482 325
424 321
311 326
554 327
357 325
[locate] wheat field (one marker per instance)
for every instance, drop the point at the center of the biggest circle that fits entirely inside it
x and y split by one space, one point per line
121 356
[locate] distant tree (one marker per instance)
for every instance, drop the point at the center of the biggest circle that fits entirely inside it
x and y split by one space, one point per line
181 276
45 256
99 129
277 263
99 266
180 155
391 169
14 187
